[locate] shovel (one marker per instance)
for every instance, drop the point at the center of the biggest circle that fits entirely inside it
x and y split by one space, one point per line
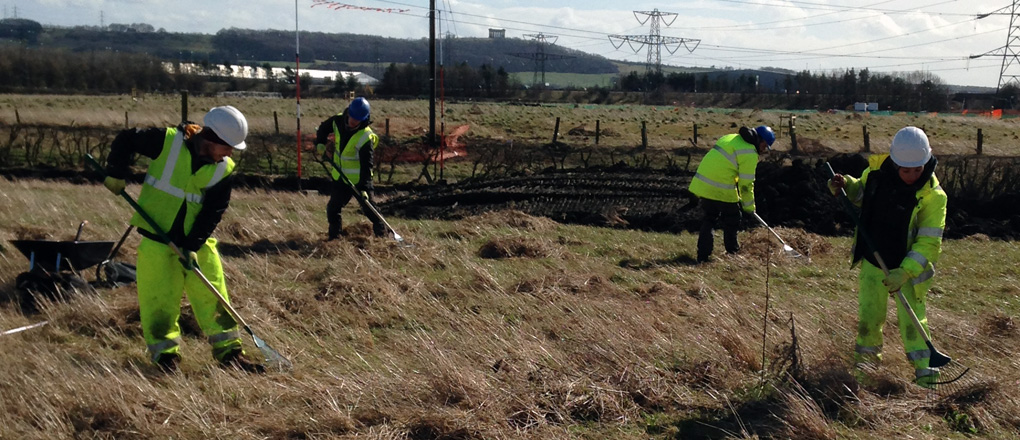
789 251
272 357
938 360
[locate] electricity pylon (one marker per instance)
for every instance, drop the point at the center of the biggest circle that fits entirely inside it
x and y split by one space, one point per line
1010 71
540 56
654 40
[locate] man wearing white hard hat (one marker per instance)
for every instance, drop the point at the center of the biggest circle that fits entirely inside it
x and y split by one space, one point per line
186 191
903 210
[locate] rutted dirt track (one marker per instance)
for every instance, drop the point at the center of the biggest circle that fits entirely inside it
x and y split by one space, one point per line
793 196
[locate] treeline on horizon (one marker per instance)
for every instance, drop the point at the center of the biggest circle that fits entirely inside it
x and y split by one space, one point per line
37 59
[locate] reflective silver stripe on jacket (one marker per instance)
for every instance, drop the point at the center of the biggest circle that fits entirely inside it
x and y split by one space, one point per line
705 179
924 276
747 177
163 183
868 350
730 157
929 232
916 256
922 372
917 355
157 349
357 149
225 336
747 203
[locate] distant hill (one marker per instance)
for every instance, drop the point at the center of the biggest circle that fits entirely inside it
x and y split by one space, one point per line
243 46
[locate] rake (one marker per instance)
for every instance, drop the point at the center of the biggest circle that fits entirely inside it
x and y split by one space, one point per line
939 361
273 358
787 249
362 200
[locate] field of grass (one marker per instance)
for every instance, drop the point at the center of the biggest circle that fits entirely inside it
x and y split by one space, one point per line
668 127
501 325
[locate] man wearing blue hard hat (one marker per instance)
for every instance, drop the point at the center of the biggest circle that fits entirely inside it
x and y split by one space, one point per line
350 153
724 185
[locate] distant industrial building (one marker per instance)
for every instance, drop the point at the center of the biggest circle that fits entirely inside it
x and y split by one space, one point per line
497 33
240 71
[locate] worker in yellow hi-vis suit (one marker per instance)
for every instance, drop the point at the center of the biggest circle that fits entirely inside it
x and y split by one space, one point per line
724 184
186 191
903 210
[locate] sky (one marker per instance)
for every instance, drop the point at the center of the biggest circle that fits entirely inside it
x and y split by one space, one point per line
938 37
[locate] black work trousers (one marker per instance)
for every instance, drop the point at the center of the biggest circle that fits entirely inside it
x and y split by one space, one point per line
340 195
727 216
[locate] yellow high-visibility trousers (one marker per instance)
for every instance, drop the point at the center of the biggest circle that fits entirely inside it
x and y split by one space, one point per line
873 299
162 280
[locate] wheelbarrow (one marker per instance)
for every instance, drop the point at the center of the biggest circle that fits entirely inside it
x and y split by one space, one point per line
55 267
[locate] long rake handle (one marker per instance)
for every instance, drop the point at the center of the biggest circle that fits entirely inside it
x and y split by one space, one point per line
357 194
881 263
773 231
159 231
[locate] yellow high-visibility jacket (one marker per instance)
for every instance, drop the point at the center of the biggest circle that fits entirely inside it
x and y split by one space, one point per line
169 183
727 172
349 159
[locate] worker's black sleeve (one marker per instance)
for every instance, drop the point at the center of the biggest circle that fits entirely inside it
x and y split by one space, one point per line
366 157
214 205
325 129
147 142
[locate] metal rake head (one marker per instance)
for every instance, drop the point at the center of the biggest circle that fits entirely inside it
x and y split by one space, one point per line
950 380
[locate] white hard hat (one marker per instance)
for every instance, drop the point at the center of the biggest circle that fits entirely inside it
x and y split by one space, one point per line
910 148
229 124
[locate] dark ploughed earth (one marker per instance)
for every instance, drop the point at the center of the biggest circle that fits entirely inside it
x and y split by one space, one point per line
793 196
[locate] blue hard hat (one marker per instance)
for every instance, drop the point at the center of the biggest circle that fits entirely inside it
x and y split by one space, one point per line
766 134
359 109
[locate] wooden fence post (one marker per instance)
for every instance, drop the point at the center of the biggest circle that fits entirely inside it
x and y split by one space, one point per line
126 124
867 139
598 131
644 136
387 128
184 106
695 138
276 122
980 141
17 117
793 134
556 130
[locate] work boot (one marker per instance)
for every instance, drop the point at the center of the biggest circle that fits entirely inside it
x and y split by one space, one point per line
168 362
236 359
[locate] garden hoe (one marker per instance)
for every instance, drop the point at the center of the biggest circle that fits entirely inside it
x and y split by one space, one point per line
273 359
326 163
789 251
950 372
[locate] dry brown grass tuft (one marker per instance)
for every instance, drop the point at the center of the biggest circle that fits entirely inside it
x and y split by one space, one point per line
511 247
802 417
759 242
511 219
999 325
